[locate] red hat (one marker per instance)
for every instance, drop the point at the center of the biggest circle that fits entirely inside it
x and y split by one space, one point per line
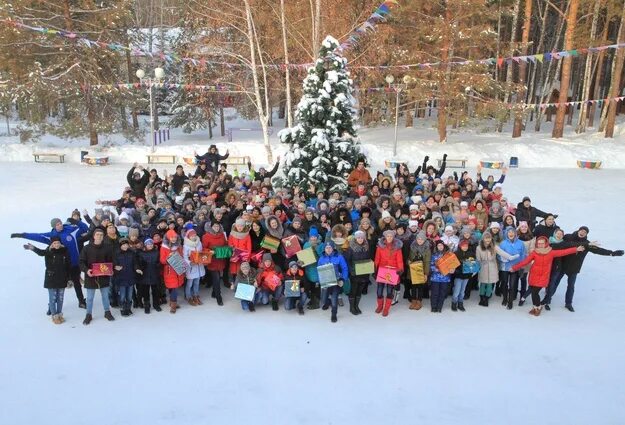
170 234
463 242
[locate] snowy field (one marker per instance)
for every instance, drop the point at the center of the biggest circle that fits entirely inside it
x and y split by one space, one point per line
220 365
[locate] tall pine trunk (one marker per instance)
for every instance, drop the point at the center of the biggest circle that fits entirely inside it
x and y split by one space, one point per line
289 107
598 77
583 112
523 69
615 86
571 21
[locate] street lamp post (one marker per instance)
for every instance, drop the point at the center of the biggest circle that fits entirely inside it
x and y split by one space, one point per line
390 79
159 74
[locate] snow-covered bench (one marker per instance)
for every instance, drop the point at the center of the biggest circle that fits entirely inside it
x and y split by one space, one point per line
453 163
161 159
49 157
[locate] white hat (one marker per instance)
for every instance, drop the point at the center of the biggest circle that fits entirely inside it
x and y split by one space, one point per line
494 225
413 223
386 214
416 199
413 207
464 204
450 228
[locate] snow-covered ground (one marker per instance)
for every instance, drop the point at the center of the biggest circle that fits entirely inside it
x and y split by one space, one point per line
534 150
217 365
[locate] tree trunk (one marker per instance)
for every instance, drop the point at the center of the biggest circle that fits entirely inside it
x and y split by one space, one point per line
616 80
447 52
222 121
598 77
538 66
262 113
583 112
518 116
289 108
571 20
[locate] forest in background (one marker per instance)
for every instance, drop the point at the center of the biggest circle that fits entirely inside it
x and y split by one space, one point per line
252 55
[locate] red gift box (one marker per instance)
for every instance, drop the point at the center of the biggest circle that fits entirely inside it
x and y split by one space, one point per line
102 269
272 282
387 275
291 245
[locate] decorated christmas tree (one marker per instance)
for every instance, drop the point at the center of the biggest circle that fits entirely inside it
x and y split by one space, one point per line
323 145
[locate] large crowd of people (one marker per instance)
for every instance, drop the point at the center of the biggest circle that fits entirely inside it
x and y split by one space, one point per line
410 235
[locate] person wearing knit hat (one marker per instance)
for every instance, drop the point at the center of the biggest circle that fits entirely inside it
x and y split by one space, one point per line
269 280
126 271
195 271
247 276
296 279
385 215
149 279
330 295
388 255
214 237
572 264
358 251
241 242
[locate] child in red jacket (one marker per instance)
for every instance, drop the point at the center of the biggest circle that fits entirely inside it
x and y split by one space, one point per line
542 258
213 238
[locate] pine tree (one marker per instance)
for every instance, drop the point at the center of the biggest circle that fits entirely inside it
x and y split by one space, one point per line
323 145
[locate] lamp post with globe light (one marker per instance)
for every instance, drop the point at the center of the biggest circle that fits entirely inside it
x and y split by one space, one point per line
159 74
390 79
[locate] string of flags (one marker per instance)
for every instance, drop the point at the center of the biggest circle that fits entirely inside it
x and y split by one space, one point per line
170 86
379 14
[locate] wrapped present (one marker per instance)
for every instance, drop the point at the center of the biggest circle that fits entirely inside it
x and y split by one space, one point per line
257 257
222 252
291 288
327 275
102 269
177 263
447 263
363 267
272 282
417 275
307 257
387 275
291 245
239 255
245 292
201 257
270 243
470 266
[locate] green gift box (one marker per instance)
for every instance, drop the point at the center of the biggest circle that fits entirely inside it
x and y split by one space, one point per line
270 243
307 257
222 252
363 267
327 275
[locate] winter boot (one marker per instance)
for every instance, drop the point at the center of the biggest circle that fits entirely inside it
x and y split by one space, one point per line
521 301
395 297
129 308
510 303
387 306
486 301
357 305
498 289
172 307
380 305
300 309
61 318
547 307
220 300
413 305
198 301
314 301
570 308
461 306
82 303
481 300
352 306
108 316
56 320
146 307
88 319
157 307
504 301
251 307
48 313
326 305
454 306
418 305
191 301
340 300
123 312
274 304
333 316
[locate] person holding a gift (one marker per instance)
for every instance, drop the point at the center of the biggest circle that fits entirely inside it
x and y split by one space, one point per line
57 275
241 243
314 244
173 280
247 276
96 253
439 278
295 280
541 260
269 280
330 295
213 238
419 263
360 268
294 238
273 235
389 263
469 267
195 271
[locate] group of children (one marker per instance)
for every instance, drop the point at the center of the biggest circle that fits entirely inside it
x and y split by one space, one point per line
431 236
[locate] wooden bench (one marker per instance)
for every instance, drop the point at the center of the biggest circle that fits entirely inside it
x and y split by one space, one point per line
161 159
453 163
49 157
236 160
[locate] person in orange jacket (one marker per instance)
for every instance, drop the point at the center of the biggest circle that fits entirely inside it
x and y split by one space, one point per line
173 280
388 254
360 175
540 271
239 239
213 238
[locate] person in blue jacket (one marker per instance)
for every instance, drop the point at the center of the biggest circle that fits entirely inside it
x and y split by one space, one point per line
331 256
69 235
510 280
126 269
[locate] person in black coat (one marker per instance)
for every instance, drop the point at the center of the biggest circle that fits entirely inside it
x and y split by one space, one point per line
126 270
212 158
178 179
526 212
358 250
547 227
262 173
572 264
58 268
138 181
150 266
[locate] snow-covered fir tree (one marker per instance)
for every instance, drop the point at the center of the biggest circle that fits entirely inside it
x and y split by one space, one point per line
323 145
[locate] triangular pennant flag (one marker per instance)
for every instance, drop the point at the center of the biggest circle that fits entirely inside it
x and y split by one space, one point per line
573 52
546 56
499 62
539 57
